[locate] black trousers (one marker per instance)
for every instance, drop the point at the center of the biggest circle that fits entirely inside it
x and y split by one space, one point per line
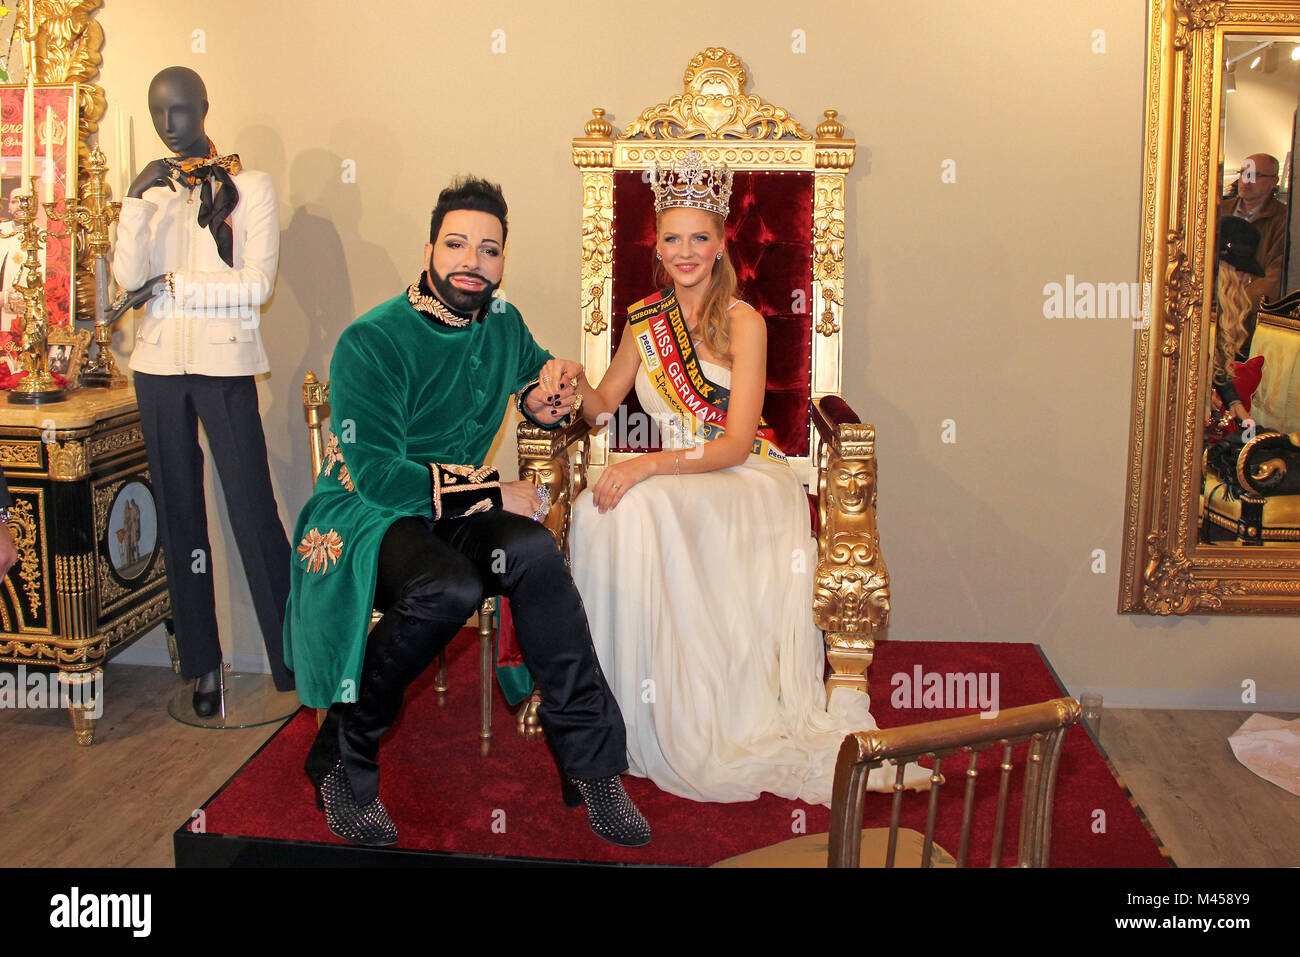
171 407
432 577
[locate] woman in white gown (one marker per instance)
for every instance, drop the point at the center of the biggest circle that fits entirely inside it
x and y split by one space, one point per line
695 563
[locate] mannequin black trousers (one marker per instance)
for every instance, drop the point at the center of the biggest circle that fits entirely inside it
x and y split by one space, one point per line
171 407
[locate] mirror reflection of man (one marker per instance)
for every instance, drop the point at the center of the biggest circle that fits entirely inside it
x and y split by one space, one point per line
1257 203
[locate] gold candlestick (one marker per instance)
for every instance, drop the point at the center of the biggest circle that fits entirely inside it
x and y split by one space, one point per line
95 216
38 386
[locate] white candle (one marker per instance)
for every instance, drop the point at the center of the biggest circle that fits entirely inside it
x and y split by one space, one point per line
47 193
29 133
29 98
119 153
70 160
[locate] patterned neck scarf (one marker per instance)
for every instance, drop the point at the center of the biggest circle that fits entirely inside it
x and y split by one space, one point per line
216 202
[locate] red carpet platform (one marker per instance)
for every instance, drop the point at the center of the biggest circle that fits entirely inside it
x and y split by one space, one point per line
453 807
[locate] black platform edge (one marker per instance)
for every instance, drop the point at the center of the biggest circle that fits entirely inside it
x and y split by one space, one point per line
201 849
229 850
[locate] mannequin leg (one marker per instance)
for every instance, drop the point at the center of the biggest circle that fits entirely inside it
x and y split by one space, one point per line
227 406
170 425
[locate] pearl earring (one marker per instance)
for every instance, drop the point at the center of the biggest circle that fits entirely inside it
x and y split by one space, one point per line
719 257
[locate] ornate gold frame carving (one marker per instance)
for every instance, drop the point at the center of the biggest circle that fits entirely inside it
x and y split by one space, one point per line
78 340
67 460
1164 569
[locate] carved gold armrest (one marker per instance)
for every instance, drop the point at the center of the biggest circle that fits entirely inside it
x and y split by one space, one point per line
851 582
557 458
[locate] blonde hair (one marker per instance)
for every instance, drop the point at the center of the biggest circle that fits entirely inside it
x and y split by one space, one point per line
715 318
1235 307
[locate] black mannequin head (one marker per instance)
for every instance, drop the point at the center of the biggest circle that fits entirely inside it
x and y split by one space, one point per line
178 104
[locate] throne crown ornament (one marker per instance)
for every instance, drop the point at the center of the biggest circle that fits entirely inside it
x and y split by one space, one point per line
692 183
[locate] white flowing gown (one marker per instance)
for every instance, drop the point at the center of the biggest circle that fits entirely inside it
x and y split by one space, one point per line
698 590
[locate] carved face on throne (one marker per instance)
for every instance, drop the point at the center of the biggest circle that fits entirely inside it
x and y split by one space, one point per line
545 473
551 474
851 599
853 485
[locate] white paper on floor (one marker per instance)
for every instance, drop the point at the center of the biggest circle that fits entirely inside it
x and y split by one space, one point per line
1271 748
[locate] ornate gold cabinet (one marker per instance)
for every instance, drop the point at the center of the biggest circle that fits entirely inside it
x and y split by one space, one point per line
90 577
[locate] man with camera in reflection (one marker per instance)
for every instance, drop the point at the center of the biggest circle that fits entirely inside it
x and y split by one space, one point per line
1255 201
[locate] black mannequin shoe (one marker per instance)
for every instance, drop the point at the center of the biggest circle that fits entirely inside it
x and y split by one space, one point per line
207 693
610 811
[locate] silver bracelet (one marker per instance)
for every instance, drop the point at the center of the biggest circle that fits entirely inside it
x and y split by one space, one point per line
677 463
543 502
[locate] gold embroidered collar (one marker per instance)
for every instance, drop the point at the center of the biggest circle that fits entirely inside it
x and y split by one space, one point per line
425 302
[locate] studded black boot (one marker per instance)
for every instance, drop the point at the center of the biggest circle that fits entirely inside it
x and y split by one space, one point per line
360 824
610 811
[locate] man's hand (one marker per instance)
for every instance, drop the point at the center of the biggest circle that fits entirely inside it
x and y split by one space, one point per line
559 377
8 552
157 173
519 497
553 398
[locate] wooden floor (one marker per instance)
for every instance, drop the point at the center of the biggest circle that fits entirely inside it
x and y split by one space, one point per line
117 803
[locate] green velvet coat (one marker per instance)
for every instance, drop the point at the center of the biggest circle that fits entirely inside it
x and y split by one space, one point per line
405 391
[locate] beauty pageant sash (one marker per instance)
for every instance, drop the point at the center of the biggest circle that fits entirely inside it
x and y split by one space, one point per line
668 355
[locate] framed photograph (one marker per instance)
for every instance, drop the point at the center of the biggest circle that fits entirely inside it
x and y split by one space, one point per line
54 101
67 352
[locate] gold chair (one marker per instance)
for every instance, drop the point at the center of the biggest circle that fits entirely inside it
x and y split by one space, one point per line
1042 725
315 403
786 235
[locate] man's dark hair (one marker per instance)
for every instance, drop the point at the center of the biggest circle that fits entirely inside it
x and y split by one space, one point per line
469 192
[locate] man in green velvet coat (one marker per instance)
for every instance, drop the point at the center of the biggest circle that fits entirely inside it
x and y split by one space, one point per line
405 518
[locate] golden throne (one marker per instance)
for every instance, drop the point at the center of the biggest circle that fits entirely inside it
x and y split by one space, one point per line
786 236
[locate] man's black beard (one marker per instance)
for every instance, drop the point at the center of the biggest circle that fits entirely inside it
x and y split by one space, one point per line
461 300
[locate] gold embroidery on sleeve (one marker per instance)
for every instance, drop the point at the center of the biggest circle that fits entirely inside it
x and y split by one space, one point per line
335 454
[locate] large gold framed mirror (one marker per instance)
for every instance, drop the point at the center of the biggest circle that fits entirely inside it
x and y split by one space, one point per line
1212 515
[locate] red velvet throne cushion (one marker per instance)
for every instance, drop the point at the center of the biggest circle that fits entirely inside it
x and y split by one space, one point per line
769 238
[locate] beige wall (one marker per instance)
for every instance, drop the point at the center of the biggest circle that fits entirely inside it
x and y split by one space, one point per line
987 539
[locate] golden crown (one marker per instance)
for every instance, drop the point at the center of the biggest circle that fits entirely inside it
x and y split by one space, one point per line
692 183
